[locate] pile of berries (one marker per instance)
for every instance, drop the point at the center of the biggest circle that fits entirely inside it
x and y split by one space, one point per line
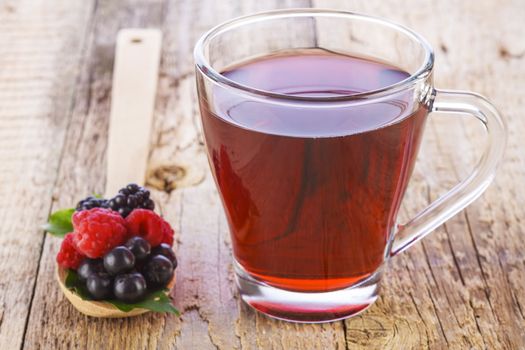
121 249
128 272
128 198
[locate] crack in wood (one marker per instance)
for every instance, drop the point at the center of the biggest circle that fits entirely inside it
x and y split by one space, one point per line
504 53
2 310
437 316
422 319
345 332
454 257
438 286
477 324
478 259
511 290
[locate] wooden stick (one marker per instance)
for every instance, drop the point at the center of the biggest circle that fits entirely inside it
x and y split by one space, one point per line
133 97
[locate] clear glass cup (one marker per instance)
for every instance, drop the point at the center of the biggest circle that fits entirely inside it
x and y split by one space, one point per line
264 266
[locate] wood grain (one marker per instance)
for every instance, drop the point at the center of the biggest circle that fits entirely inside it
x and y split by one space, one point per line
462 287
53 322
41 47
134 87
454 289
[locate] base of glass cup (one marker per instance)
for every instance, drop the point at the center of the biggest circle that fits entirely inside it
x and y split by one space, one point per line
306 307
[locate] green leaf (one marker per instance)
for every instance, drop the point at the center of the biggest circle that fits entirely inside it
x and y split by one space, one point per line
59 222
156 301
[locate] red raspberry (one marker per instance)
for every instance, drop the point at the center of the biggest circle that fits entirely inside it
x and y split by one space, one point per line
150 226
68 257
168 233
98 230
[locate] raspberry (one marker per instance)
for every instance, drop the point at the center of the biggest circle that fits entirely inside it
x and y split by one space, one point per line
150 226
168 235
68 257
97 231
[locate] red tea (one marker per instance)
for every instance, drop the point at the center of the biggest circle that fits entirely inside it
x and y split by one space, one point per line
311 192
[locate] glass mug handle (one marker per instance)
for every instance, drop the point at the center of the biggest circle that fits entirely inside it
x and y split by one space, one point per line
470 188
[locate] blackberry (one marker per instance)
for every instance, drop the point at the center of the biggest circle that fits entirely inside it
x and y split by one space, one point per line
90 203
131 197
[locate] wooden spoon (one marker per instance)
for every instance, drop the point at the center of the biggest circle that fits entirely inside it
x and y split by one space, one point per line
133 96
97 308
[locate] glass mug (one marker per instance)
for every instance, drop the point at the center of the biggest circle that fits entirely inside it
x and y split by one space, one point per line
312 176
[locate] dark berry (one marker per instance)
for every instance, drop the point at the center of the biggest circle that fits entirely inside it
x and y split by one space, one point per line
139 197
124 212
119 260
149 204
88 267
158 271
165 250
132 188
90 203
112 204
100 286
129 198
130 288
120 200
139 247
132 201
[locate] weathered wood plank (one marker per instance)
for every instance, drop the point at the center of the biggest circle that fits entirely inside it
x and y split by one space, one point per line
207 296
54 323
462 287
41 45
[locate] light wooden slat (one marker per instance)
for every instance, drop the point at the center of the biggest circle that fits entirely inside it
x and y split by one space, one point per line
40 48
134 87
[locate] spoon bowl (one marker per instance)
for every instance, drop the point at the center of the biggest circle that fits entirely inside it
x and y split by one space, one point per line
97 308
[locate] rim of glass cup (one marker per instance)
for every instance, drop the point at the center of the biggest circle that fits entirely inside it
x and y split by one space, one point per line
207 70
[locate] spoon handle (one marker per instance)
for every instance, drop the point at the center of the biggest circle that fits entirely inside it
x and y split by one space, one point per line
133 97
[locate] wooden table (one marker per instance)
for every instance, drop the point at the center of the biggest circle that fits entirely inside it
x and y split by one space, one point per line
461 288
